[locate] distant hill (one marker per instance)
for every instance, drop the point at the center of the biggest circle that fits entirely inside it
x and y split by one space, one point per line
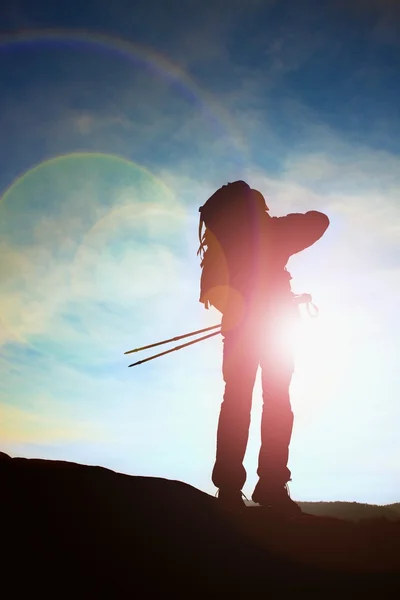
74 531
350 511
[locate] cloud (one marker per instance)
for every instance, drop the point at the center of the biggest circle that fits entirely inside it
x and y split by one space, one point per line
89 260
362 188
44 423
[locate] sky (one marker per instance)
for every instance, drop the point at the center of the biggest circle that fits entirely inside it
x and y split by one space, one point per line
118 120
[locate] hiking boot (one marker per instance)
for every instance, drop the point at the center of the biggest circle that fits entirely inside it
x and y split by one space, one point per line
231 500
277 501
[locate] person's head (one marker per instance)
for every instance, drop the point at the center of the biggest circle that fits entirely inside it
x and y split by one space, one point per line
259 201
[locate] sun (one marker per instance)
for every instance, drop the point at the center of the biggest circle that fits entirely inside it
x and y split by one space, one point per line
323 354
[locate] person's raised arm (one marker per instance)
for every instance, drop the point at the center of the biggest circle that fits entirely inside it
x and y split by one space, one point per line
301 230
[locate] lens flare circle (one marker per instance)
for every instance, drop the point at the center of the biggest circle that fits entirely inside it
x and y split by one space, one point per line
58 224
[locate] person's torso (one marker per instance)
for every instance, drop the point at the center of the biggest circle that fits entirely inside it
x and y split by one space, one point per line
257 264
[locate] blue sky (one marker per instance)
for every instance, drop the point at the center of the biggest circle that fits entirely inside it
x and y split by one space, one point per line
117 123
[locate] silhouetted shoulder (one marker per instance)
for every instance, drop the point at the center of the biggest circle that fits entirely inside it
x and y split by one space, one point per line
298 231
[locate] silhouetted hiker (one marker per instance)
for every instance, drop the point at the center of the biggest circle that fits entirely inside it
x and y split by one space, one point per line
244 255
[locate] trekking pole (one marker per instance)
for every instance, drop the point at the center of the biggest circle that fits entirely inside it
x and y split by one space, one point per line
174 339
312 308
176 347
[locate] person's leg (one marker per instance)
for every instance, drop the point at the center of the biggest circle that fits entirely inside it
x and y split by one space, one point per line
277 364
276 426
240 363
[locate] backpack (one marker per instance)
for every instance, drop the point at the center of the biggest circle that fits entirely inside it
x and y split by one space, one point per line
227 217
